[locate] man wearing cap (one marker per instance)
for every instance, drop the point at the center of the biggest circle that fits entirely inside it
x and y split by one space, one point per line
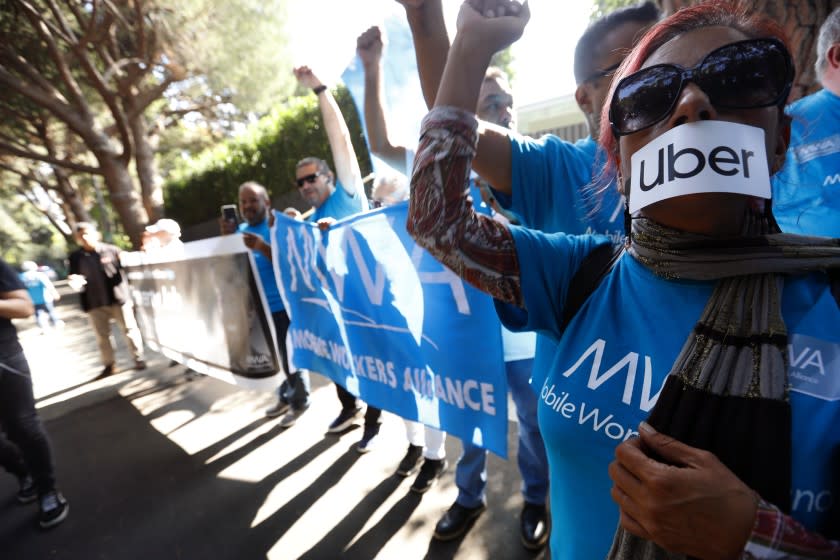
163 238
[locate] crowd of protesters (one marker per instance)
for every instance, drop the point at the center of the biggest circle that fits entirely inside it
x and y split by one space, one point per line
714 279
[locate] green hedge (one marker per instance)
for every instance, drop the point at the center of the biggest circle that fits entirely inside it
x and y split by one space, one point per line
266 153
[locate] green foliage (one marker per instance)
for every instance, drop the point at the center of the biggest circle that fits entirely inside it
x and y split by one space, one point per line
239 47
25 235
504 60
266 153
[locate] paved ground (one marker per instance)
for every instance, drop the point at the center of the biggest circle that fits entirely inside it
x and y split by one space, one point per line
157 466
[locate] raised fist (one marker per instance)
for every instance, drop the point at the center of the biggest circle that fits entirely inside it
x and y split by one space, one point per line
306 78
369 46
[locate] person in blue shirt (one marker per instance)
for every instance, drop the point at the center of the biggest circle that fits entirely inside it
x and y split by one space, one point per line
544 184
255 208
806 192
692 397
496 106
43 295
334 196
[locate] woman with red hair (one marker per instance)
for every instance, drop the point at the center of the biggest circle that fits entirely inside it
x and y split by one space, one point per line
696 385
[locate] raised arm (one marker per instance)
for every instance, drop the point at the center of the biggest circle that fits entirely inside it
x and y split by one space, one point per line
369 48
344 156
441 217
431 46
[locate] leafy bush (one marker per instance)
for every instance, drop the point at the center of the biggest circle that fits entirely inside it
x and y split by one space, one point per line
266 153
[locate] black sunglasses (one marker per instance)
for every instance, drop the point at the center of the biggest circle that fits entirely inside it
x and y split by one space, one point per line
307 179
745 75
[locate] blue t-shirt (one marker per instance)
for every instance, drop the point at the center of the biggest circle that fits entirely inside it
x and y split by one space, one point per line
264 266
551 184
340 204
36 285
806 192
551 191
610 366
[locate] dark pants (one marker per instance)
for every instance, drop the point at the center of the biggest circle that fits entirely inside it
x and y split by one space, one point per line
24 447
349 402
295 389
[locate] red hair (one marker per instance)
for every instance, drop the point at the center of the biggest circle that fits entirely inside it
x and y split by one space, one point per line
713 13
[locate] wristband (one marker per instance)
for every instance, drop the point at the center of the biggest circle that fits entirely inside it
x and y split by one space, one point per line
317 90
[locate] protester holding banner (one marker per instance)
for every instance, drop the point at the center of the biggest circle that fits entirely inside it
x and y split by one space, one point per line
255 208
96 272
806 193
26 453
542 183
719 486
335 196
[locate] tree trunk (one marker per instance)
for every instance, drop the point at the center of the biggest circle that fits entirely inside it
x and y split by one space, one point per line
124 198
70 196
801 20
144 160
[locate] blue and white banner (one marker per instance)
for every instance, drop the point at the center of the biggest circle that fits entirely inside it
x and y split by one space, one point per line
377 314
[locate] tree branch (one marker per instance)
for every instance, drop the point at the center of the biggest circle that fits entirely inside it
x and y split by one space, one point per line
61 64
13 151
67 32
46 99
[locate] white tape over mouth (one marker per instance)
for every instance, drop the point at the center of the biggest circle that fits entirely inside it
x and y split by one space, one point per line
701 157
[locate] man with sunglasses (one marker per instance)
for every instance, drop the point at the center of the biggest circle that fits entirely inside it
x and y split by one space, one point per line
806 192
334 196
517 167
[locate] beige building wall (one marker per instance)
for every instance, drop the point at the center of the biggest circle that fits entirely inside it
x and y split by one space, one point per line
560 116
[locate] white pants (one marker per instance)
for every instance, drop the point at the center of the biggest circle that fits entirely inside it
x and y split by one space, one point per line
432 440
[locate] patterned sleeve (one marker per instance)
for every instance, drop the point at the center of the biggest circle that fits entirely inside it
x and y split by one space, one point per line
778 536
441 217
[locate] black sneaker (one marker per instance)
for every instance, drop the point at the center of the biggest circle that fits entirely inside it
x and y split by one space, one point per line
277 409
456 521
54 509
368 440
343 420
534 526
429 473
411 462
107 371
292 416
27 492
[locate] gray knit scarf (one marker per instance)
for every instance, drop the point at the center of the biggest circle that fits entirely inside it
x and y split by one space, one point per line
731 374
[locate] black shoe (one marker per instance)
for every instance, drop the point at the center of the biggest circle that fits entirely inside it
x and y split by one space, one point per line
107 371
533 526
27 492
429 473
140 365
277 409
456 521
292 416
54 509
368 440
343 420
411 462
